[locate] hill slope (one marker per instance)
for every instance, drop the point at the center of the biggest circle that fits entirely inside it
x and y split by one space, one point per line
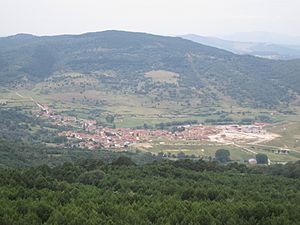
120 61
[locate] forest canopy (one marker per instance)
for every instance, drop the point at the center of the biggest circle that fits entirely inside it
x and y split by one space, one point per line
166 192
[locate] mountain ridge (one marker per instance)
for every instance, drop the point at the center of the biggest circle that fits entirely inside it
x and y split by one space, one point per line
204 72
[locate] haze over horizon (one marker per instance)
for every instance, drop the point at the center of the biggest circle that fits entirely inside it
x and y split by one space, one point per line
205 17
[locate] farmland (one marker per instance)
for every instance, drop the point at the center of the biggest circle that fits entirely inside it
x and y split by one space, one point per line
134 112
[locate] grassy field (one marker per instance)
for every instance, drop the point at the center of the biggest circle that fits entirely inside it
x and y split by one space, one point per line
208 149
83 94
290 135
199 149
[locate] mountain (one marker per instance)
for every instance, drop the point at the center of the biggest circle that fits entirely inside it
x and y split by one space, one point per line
163 68
257 36
259 49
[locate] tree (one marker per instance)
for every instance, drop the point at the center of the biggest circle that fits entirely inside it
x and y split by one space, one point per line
43 211
91 177
123 161
181 155
261 158
110 118
222 155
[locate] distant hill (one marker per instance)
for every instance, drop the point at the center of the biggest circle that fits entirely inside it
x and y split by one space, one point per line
266 37
265 50
126 61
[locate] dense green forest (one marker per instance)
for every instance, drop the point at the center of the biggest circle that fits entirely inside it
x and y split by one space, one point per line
165 192
42 185
22 154
19 125
205 73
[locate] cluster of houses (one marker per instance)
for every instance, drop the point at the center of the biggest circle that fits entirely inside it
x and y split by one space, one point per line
253 129
92 136
124 137
199 133
60 120
106 140
114 138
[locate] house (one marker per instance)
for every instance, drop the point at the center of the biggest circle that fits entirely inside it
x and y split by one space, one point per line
3 102
252 161
281 151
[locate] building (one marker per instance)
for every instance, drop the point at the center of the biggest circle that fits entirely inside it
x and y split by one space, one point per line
281 151
252 161
3 102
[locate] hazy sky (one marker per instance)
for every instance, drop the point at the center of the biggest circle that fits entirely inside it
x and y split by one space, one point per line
168 17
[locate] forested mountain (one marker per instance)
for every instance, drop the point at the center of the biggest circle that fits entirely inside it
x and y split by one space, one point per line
123 59
260 49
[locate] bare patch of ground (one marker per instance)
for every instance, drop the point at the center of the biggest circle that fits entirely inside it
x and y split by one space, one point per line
163 76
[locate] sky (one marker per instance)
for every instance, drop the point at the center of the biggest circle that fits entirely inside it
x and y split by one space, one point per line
165 17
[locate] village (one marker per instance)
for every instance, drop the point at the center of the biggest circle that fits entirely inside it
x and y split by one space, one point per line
91 136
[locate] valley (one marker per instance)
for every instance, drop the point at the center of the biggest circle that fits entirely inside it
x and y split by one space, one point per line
140 113
104 89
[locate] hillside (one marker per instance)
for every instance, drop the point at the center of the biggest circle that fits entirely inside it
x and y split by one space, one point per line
259 49
122 61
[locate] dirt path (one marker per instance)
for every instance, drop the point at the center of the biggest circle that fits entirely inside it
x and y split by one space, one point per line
245 149
21 96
